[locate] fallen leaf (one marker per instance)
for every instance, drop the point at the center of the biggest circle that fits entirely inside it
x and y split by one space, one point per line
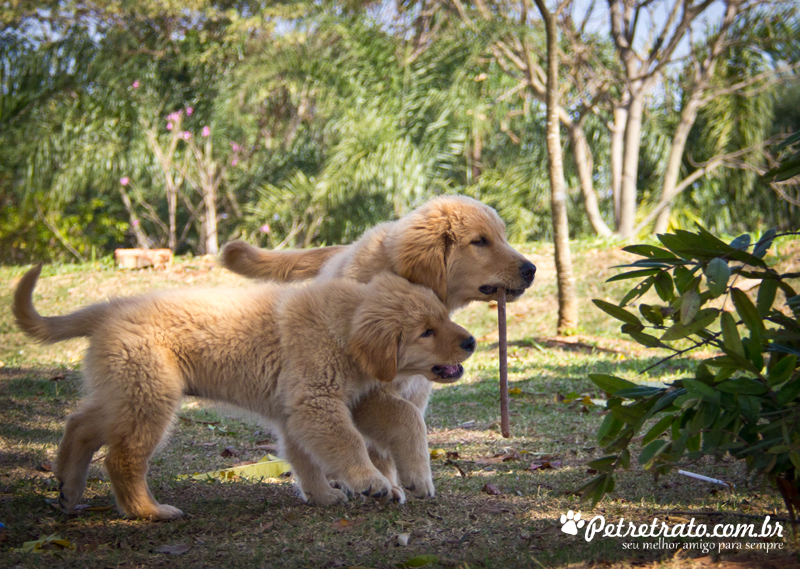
228 452
452 454
58 377
491 489
489 460
268 467
437 453
402 539
343 524
178 549
50 543
265 442
45 467
467 424
515 391
545 465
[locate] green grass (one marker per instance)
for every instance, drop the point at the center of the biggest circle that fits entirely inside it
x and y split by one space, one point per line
250 524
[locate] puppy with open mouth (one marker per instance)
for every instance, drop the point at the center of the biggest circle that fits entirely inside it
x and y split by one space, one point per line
302 357
454 245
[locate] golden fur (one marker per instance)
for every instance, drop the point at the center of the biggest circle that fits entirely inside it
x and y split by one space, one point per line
454 245
302 357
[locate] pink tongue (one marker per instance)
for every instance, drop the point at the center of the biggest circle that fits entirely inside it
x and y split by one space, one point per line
451 370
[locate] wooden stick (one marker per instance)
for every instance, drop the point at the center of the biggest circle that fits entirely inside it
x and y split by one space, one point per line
503 344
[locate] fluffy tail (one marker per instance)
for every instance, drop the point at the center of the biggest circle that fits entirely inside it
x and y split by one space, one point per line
56 328
281 266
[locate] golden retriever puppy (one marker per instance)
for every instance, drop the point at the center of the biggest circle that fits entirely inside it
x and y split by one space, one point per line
454 245
302 357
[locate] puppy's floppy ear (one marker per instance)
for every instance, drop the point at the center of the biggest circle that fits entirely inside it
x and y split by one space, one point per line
373 344
421 248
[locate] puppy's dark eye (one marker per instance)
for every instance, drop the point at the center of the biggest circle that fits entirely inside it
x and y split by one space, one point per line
480 241
427 333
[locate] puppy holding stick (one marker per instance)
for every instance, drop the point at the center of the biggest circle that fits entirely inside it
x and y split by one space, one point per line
301 357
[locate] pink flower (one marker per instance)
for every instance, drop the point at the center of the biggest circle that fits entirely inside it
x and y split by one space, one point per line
135 222
125 180
234 162
206 131
265 228
186 135
135 84
189 111
169 126
235 147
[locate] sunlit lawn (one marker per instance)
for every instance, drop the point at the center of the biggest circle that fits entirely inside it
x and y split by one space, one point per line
246 524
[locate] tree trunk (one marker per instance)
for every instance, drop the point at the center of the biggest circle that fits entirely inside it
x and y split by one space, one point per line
210 225
617 152
172 208
567 301
630 165
688 116
138 232
585 164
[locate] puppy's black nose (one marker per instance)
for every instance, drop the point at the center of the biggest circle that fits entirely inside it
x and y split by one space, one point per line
468 345
527 270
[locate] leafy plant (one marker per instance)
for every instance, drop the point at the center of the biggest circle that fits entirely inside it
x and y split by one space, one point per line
743 401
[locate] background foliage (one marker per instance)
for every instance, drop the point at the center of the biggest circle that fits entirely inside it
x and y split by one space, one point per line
324 118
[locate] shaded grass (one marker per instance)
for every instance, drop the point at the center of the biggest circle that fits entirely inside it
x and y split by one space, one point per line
252 524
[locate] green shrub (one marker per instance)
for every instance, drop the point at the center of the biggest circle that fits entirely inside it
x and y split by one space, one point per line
745 401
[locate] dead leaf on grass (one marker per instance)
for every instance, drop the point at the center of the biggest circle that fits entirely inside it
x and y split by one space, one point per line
451 454
268 467
58 377
50 543
402 539
489 460
437 453
228 452
178 549
546 465
343 524
45 467
491 489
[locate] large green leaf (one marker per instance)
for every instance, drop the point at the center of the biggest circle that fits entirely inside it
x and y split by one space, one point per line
730 334
747 310
677 331
717 275
610 383
617 312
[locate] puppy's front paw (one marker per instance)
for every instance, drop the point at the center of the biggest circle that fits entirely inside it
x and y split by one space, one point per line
325 498
419 485
374 485
397 495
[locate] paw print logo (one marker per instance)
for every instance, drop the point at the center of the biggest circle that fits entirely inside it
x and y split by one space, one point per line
572 522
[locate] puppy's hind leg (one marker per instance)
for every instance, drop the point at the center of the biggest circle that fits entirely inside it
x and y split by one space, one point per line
138 426
83 435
